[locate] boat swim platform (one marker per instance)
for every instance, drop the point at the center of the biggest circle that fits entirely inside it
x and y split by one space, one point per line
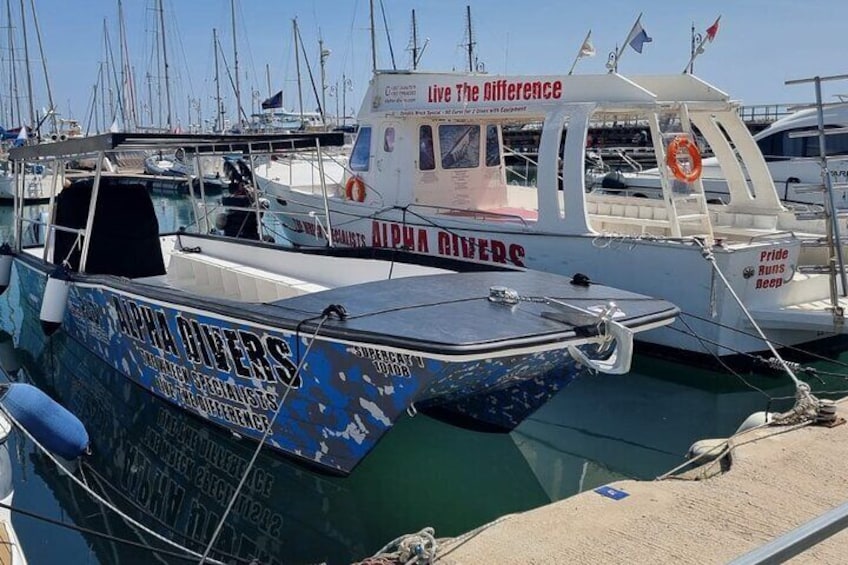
780 478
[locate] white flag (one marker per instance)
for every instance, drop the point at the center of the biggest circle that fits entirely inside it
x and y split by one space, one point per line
587 49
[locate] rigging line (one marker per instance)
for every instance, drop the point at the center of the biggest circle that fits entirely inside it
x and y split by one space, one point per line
262 441
810 371
796 349
806 405
95 533
96 496
726 367
388 35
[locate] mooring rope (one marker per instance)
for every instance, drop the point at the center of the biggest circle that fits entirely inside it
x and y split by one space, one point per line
324 316
99 498
806 404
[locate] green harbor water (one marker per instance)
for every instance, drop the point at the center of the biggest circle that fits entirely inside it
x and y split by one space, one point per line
176 474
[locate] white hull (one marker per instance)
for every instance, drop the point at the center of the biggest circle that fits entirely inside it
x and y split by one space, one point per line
671 270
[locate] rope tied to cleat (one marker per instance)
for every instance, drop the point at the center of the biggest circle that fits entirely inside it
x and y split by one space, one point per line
806 404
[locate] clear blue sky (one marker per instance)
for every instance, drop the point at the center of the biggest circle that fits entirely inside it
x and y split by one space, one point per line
760 43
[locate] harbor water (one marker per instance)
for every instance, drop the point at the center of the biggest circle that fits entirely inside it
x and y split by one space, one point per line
176 474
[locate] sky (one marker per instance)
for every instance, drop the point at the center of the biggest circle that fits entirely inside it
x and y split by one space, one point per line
759 45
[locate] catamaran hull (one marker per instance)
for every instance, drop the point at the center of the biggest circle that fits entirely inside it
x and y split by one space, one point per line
236 373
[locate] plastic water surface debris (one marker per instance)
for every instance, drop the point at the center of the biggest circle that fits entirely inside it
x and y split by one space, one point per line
612 493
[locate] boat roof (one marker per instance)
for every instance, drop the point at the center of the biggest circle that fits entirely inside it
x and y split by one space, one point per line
192 144
421 94
832 114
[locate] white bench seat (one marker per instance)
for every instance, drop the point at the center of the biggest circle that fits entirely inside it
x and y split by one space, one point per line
213 276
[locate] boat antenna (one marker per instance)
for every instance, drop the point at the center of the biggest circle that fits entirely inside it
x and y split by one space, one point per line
470 44
417 53
388 35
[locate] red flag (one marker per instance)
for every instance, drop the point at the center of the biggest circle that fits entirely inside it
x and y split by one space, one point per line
713 30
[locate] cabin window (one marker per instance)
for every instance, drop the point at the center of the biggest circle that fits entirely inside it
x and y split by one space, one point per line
493 146
837 144
781 146
460 146
771 146
426 155
360 157
389 140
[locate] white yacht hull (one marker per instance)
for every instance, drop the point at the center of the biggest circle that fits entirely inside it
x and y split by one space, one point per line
673 270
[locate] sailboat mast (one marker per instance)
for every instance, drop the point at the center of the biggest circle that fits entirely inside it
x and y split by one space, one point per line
16 106
470 41
127 95
235 60
168 118
373 40
323 58
297 69
52 108
32 120
219 113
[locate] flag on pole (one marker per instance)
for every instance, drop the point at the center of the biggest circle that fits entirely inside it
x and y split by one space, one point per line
637 37
587 49
713 30
275 101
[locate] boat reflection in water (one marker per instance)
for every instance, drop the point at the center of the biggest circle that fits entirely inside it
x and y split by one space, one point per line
176 474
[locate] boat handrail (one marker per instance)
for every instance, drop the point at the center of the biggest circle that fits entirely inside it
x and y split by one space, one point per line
201 145
466 212
528 160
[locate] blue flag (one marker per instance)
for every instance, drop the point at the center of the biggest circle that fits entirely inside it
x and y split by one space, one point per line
638 37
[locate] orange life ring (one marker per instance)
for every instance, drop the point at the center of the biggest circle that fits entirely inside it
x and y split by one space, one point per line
678 143
355 189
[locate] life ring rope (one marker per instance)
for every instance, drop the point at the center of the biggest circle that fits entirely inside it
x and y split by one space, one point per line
682 142
355 189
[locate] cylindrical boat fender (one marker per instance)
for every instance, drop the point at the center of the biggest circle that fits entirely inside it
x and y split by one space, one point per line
50 423
55 299
6 257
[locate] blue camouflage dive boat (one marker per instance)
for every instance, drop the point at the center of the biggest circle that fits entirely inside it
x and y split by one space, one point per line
315 353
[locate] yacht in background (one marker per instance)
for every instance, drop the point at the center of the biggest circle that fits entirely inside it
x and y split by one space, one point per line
791 152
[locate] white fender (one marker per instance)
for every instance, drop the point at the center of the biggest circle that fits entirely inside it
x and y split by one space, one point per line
55 300
619 361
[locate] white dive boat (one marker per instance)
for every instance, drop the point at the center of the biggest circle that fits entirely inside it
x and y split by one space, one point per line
791 151
426 173
316 353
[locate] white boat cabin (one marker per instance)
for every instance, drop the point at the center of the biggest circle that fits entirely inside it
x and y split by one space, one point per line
451 125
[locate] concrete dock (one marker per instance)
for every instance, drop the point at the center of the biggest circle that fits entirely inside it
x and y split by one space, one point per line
779 478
